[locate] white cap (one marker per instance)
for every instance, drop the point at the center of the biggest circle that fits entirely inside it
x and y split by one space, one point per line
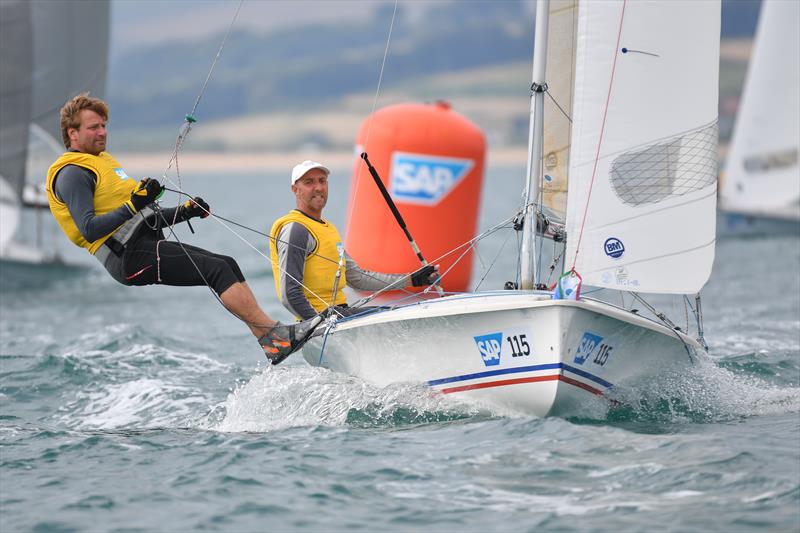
300 169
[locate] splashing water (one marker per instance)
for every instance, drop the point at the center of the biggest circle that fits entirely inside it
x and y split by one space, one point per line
292 396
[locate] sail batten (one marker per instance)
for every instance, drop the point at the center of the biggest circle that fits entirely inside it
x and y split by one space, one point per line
643 158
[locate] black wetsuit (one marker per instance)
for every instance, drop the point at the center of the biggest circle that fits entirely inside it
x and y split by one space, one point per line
146 258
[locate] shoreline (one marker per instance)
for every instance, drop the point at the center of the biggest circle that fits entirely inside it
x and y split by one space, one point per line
237 162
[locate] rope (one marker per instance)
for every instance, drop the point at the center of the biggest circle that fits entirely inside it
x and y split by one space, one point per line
186 128
374 103
190 119
496 257
222 221
558 106
466 244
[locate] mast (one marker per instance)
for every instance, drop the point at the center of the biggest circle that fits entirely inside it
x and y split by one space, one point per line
528 267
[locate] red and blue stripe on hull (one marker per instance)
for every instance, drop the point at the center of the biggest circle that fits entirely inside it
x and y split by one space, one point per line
533 373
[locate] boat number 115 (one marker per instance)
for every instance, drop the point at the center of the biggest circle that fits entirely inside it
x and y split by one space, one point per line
519 345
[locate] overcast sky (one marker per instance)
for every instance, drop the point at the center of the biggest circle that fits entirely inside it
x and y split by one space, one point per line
135 22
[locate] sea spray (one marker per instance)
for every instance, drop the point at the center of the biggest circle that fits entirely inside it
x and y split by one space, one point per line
290 396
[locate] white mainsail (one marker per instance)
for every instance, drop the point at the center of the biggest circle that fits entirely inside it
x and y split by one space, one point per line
762 175
643 162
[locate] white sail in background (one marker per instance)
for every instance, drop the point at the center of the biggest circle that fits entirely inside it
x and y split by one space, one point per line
762 175
641 208
49 52
70 55
15 91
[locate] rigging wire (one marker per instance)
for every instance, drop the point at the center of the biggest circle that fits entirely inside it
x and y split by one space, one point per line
491 265
357 177
190 118
186 128
666 321
471 242
600 139
222 220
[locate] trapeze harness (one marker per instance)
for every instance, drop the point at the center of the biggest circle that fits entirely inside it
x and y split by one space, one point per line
112 189
321 263
134 252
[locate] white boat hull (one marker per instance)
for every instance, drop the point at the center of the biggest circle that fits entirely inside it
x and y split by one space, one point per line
519 351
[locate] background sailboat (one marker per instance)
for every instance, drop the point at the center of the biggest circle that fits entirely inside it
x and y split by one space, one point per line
641 198
760 191
50 51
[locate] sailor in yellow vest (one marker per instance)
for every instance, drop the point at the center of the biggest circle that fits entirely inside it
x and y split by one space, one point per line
305 250
117 220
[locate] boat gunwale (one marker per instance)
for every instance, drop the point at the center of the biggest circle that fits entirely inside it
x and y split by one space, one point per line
527 299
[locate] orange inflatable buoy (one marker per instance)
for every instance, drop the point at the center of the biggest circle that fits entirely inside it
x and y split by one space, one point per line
431 160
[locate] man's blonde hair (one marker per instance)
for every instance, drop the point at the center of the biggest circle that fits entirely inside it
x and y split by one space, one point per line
70 113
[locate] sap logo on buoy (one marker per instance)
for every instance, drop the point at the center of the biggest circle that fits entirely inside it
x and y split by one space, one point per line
489 346
614 248
424 179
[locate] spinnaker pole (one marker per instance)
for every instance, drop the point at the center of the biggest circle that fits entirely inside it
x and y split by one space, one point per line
528 267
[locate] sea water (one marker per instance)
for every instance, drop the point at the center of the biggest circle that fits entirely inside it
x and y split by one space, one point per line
151 409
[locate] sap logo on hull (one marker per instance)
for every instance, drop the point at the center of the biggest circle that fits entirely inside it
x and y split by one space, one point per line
424 179
588 343
489 346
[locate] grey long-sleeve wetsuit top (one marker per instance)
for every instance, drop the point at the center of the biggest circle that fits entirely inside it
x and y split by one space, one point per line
75 185
295 243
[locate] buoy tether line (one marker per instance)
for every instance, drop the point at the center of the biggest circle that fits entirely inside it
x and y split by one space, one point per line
387 197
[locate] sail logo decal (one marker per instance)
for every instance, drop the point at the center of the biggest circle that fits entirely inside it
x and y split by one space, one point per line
121 173
588 343
490 346
614 248
424 179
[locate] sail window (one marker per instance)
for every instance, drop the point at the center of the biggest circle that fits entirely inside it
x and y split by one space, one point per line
677 166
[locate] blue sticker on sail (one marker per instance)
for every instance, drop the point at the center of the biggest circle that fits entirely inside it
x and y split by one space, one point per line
589 342
121 173
489 347
423 179
614 248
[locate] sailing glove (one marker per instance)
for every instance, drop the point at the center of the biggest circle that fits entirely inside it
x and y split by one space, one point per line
146 192
196 207
427 275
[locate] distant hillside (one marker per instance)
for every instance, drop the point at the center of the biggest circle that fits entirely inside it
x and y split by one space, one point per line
298 69
467 52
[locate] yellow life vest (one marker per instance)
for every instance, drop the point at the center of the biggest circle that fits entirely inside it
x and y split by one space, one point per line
319 272
113 188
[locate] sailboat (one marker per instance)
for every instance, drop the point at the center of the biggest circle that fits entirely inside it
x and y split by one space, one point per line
46 57
760 192
634 178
